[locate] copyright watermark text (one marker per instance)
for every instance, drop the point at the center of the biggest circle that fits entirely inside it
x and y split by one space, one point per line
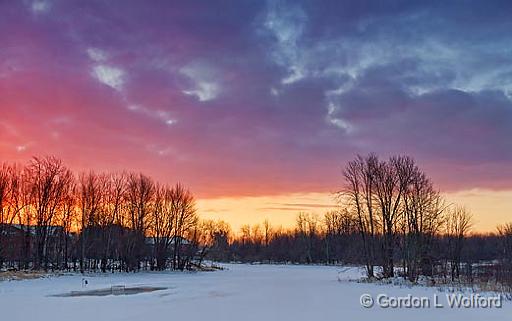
450 300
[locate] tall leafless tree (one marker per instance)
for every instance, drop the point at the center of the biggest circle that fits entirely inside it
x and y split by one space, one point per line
422 219
458 224
139 201
162 227
359 193
185 220
90 199
49 180
505 269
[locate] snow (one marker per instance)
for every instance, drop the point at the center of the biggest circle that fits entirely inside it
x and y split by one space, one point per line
240 292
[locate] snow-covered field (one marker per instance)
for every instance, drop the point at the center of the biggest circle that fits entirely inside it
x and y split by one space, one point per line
241 292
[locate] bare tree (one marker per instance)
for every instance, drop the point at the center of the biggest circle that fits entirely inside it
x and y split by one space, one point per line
111 216
267 237
390 181
245 234
458 224
5 210
423 209
308 229
12 202
331 223
338 226
90 199
49 179
505 268
139 201
212 236
19 203
359 194
67 218
185 221
267 232
162 227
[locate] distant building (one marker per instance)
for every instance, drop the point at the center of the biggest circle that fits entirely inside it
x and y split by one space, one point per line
150 241
20 241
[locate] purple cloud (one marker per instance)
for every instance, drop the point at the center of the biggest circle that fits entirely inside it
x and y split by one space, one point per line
259 97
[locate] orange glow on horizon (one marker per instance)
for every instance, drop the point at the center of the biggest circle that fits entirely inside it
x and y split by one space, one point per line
489 208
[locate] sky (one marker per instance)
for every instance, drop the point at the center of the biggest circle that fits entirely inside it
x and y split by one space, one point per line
258 105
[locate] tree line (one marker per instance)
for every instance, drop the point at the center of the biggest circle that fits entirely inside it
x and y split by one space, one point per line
53 219
334 238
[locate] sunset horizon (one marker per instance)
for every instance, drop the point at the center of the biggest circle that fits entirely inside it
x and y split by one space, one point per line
281 209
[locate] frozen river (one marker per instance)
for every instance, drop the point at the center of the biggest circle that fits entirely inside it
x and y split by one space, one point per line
241 292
